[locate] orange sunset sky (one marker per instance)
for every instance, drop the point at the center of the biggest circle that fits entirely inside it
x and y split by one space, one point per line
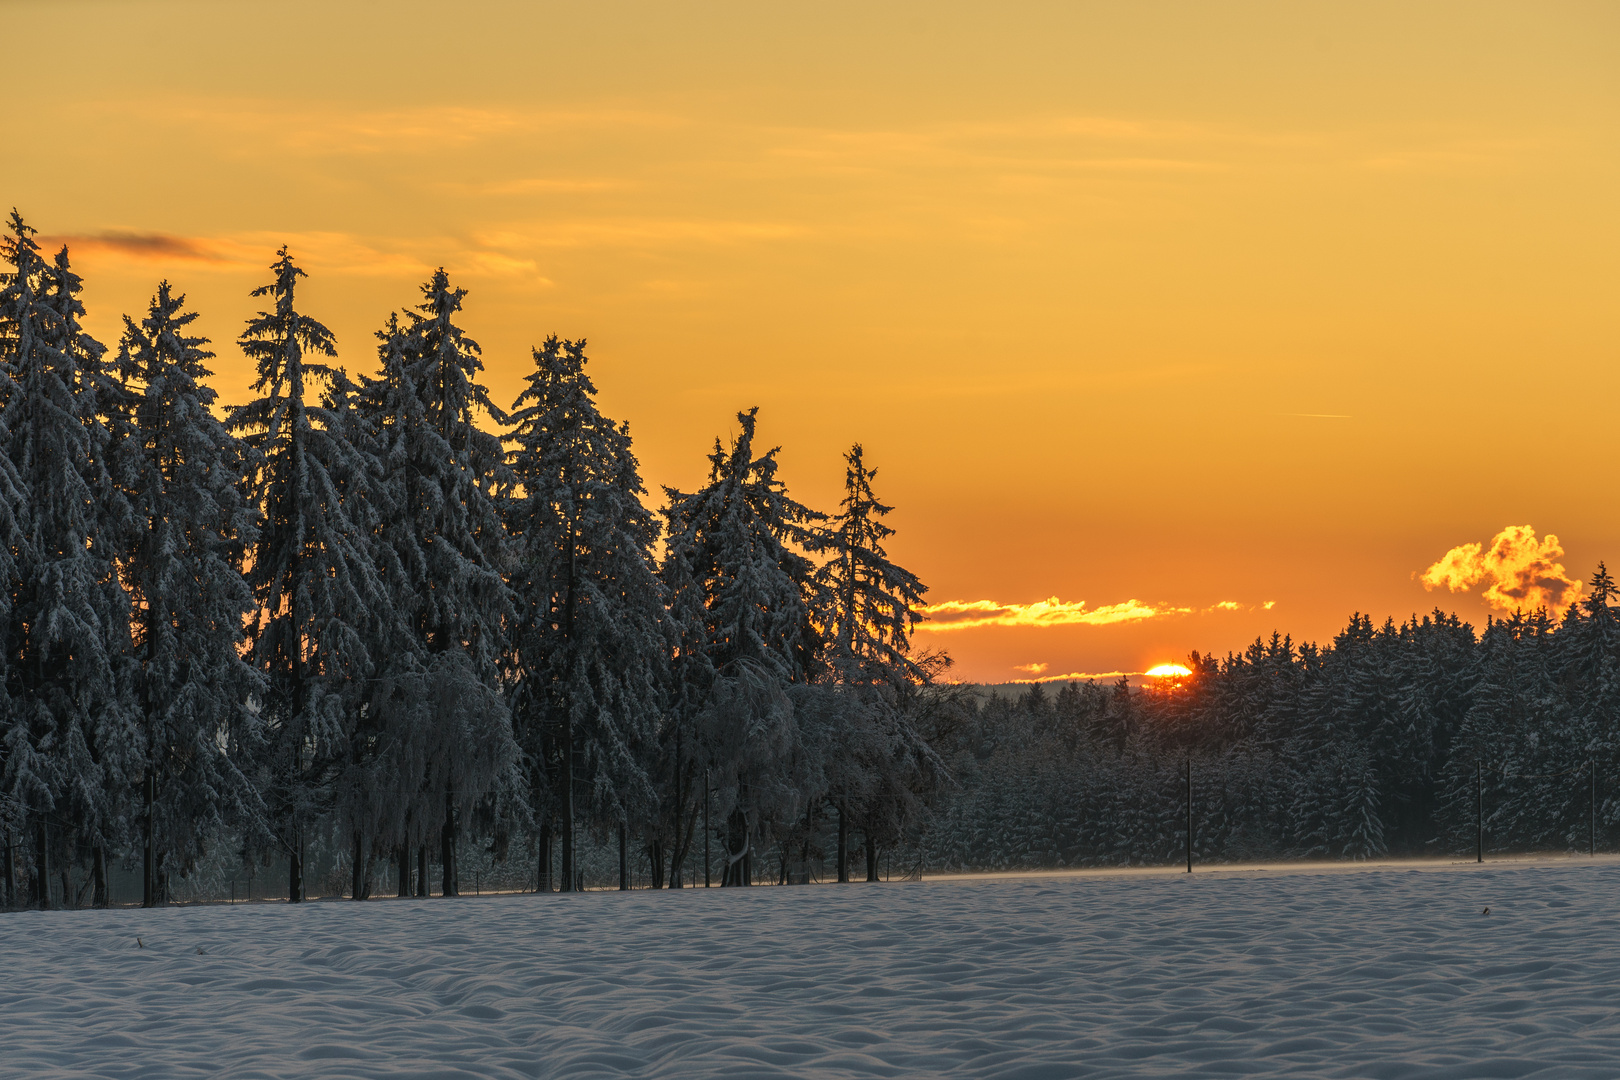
1167 311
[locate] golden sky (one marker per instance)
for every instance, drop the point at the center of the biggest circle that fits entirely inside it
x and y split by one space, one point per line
1165 324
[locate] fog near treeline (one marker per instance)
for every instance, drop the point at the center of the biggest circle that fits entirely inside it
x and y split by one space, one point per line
345 638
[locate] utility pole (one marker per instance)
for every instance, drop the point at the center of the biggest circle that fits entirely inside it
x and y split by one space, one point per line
1479 810
1189 812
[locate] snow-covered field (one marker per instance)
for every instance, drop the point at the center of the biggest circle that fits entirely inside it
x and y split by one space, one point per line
1387 973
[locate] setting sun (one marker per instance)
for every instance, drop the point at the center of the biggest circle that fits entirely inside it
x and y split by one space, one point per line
1168 671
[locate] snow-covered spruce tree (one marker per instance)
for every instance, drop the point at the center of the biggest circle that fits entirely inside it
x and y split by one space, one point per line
588 644
71 740
309 567
444 553
877 764
193 683
736 575
1589 678
17 769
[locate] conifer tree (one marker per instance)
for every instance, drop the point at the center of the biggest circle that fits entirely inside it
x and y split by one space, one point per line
309 567
444 553
193 684
20 778
868 607
71 746
740 589
588 643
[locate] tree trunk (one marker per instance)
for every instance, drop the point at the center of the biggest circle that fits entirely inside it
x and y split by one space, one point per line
565 799
809 826
449 885
8 866
545 856
624 857
295 868
843 843
149 852
871 858
421 870
98 873
402 859
42 871
360 883
655 856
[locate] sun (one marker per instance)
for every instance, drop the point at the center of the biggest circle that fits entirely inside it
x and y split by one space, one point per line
1168 671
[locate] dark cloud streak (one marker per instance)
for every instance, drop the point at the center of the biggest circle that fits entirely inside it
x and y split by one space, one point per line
155 247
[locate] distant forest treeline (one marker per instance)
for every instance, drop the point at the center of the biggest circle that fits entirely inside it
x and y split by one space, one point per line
380 618
1423 738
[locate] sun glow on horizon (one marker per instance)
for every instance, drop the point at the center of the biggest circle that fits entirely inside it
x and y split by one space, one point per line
1167 671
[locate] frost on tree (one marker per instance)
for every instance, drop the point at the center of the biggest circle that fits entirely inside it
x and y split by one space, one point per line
71 744
309 567
588 641
876 763
740 591
182 469
443 549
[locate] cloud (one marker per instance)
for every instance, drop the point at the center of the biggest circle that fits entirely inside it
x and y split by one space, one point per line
967 614
1032 669
972 614
146 247
1520 572
1078 676
321 252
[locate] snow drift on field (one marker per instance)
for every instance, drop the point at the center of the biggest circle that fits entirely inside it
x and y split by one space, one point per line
1382 974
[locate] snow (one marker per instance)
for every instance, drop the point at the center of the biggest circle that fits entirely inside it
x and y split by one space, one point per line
1391 973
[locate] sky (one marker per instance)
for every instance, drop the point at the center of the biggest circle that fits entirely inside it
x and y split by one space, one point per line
1166 325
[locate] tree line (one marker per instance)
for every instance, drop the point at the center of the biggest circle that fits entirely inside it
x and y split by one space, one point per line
1402 739
382 609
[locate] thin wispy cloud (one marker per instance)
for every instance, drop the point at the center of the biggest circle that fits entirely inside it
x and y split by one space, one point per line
969 614
1078 676
143 247
327 252
951 615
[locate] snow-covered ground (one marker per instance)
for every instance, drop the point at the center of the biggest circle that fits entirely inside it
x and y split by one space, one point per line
1388 973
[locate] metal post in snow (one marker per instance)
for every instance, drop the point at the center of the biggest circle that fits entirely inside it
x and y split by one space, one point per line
1591 825
705 828
1479 810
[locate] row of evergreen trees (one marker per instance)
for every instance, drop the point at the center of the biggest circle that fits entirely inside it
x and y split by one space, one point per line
1424 738
381 608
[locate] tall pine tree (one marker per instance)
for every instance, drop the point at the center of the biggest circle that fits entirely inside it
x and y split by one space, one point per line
876 761
444 549
588 642
310 568
71 748
181 571
740 587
